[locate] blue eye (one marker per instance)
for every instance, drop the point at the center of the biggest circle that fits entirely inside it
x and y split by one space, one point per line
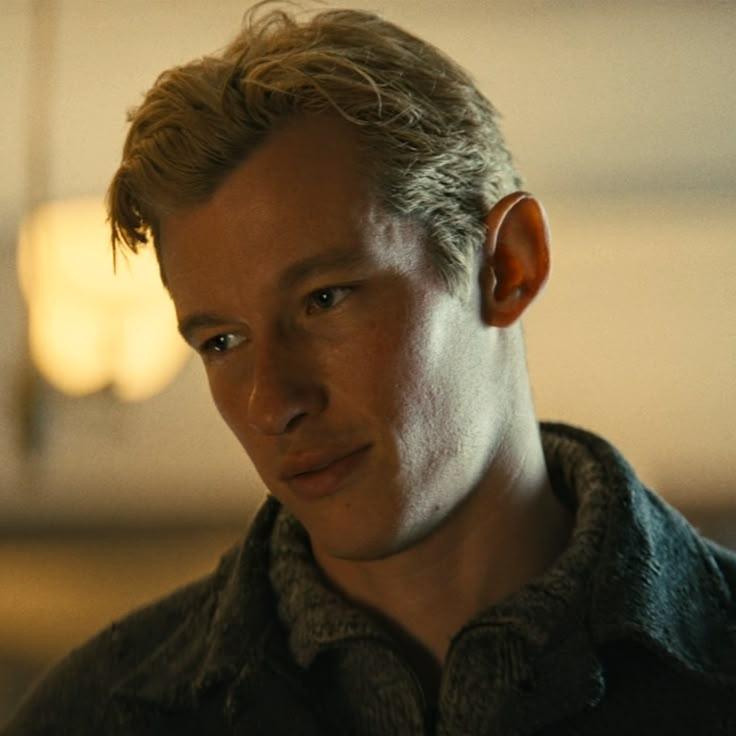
326 298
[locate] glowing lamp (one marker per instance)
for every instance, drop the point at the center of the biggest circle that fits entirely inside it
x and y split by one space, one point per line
91 327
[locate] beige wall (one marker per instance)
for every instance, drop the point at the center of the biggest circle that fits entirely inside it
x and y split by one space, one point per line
622 117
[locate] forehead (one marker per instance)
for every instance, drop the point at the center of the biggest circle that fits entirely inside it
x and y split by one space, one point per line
302 169
301 194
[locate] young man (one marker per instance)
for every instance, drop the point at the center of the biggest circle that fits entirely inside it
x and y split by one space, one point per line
345 240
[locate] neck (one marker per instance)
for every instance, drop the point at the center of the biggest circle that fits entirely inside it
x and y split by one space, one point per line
507 531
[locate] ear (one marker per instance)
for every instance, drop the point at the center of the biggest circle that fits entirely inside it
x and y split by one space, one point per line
515 260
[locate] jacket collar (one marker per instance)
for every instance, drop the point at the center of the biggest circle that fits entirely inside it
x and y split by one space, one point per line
655 581
634 571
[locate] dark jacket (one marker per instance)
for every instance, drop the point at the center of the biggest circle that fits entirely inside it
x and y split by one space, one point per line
652 651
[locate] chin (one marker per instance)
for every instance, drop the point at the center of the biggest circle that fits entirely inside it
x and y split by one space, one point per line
349 548
365 545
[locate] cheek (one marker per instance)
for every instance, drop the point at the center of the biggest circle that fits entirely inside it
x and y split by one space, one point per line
438 393
228 399
397 377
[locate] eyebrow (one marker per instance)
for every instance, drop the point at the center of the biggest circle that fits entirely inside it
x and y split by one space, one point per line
199 320
290 276
331 260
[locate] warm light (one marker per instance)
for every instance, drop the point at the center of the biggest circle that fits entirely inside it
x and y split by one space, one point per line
91 327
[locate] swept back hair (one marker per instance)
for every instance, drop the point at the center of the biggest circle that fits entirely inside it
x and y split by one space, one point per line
429 138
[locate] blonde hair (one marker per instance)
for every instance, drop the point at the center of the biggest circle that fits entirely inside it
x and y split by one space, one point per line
430 138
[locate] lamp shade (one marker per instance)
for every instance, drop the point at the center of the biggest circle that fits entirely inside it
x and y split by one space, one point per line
92 326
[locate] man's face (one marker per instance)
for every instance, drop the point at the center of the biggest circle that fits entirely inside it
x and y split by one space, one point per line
362 391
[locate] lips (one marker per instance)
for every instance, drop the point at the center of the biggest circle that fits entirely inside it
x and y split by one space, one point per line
317 474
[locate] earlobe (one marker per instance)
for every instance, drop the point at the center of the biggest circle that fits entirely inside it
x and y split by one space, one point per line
515 263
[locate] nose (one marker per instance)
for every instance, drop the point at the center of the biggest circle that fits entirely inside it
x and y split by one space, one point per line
284 391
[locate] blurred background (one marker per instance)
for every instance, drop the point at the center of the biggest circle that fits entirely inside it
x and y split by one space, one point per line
622 116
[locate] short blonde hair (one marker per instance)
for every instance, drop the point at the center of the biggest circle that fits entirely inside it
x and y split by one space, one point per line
430 138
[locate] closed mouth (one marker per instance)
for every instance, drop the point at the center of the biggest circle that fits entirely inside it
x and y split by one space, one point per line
309 463
316 477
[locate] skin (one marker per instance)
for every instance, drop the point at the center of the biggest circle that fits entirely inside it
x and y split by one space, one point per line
392 418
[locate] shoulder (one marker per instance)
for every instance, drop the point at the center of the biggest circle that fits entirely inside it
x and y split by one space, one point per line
725 559
672 660
662 596
74 695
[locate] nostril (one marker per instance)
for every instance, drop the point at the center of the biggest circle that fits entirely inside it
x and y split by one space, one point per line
292 423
